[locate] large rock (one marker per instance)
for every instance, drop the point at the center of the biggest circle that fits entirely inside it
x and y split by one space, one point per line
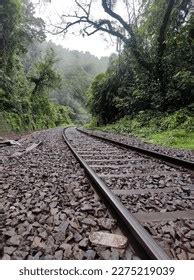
108 239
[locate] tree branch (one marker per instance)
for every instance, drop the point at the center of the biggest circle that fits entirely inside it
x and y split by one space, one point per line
107 26
116 16
81 7
133 41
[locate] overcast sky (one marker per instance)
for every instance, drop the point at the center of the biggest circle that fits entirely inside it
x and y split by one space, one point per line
95 44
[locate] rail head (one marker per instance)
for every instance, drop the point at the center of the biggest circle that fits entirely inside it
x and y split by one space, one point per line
131 224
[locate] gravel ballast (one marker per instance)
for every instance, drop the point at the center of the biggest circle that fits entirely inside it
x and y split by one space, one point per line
50 208
135 141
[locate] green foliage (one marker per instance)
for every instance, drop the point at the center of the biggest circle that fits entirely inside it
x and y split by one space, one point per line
77 69
127 88
44 75
24 94
173 130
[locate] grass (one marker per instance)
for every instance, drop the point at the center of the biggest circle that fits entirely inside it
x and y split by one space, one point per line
176 138
175 131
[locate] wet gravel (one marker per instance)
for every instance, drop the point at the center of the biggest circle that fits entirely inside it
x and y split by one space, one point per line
178 235
157 202
123 169
150 181
131 140
157 188
50 208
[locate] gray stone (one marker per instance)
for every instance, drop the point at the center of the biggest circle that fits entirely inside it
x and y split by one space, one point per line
108 239
59 255
9 250
75 224
69 237
67 250
128 255
53 204
182 255
48 257
78 254
74 203
77 237
59 236
90 254
36 210
135 258
163 210
54 211
106 255
36 224
37 243
21 229
19 255
89 221
6 257
10 233
14 240
191 256
106 223
50 241
50 220
115 254
87 208
84 243
43 235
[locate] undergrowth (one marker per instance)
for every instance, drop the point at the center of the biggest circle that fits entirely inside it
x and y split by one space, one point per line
171 130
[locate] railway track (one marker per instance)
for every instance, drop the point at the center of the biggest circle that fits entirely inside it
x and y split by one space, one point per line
153 199
50 210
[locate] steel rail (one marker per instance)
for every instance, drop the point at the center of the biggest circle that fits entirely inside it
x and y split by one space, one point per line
131 224
166 158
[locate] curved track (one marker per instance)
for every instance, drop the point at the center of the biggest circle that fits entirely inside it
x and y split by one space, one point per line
129 221
150 193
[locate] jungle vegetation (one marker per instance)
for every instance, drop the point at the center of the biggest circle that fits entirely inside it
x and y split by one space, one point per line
150 82
41 84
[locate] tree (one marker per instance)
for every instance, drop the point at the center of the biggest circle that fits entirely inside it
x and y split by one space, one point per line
168 87
24 101
45 76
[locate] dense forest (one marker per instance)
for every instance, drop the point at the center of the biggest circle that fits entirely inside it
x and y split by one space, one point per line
148 83
158 79
76 69
41 84
148 87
